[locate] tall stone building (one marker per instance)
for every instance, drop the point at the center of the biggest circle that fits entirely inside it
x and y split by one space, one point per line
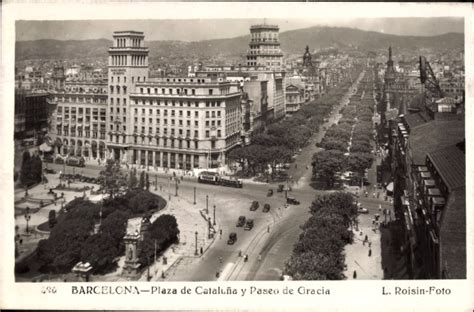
264 47
128 65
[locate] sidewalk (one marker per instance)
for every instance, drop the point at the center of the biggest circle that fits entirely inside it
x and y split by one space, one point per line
190 220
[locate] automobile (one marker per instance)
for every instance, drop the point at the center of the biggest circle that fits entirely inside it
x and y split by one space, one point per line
49 171
292 201
266 208
254 205
362 210
280 189
232 238
248 225
240 221
270 192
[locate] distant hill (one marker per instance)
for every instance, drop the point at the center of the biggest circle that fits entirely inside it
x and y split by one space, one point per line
292 42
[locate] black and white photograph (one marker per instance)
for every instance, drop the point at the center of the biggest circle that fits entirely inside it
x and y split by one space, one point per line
254 149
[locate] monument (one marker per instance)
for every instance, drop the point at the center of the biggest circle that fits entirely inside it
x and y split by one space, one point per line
132 265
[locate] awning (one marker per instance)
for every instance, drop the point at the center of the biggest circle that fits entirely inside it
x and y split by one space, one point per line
390 187
45 147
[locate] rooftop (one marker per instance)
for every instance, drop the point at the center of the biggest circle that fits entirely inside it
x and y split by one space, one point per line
414 120
434 135
453 236
450 162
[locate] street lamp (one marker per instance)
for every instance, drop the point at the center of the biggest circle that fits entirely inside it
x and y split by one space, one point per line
194 196
176 187
214 223
27 218
207 204
196 244
209 228
156 182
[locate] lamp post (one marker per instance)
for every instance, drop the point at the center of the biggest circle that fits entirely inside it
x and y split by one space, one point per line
194 196
169 188
156 182
209 228
214 222
207 204
176 187
27 218
196 244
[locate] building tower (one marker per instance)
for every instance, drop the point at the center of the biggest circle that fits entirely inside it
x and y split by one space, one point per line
390 75
307 62
58 77
128 65
265 47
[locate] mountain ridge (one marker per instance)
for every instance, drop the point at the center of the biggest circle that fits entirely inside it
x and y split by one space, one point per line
292 42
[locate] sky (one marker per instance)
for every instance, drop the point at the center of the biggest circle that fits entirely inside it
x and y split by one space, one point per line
204 29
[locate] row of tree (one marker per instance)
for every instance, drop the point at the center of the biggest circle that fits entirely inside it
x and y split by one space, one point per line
318 254
283 138
347 145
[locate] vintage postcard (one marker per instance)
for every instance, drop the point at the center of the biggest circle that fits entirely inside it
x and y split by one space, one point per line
290 156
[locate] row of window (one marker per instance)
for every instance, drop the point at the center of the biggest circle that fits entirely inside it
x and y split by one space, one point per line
81 110
174 103
209 114
92 99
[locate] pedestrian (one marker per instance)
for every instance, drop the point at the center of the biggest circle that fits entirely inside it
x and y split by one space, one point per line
220 259
240 253
370 252
366 238
268 229
380 207
370 244
202 251
354 275
373 195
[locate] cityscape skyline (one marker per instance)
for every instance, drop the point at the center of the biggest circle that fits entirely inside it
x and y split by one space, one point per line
208 29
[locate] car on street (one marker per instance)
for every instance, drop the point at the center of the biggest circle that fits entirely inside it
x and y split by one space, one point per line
292 201
248 225
270 192
362 210
254 205
266 208
240 221
232 238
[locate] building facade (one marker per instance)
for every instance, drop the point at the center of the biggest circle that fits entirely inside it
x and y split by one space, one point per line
181 123
264 47
78 124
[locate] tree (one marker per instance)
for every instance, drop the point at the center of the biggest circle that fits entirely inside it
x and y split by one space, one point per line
358 162
341 203
141 184
100 251
147 182
112 180
52 218
164 232
132 180
326 164
239 155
